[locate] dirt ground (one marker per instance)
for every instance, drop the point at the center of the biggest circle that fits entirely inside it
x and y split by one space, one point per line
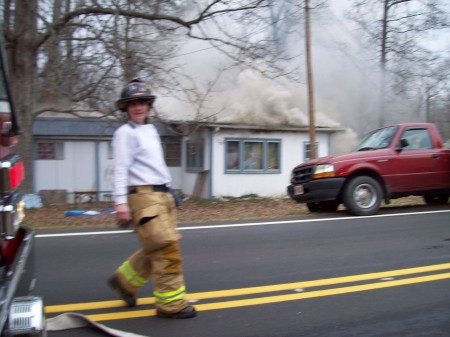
190 211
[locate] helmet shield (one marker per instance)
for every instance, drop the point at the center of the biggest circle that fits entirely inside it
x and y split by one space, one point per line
134 90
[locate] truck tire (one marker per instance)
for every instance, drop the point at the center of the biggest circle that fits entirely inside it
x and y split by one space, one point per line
362 196
322 206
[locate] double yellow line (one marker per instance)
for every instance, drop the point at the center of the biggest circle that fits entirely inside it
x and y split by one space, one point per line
297 291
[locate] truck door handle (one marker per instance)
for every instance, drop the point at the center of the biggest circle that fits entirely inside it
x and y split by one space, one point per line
435 155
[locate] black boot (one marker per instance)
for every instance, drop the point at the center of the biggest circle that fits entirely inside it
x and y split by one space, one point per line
128 298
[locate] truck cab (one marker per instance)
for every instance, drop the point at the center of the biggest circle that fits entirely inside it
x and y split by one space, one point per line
21 313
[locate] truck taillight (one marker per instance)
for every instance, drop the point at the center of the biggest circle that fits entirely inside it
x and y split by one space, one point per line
12 173
16 174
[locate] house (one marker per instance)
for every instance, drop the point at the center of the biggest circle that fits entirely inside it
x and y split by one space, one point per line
206 160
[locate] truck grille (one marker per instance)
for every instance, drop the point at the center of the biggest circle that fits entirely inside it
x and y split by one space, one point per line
302 174
21 323
26 317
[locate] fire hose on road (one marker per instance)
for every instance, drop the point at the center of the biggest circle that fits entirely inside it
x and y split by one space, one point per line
72 320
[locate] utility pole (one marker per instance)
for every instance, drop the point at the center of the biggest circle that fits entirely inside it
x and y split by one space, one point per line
310 84
384 38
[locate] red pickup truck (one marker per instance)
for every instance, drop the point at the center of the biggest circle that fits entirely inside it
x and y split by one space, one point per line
389 163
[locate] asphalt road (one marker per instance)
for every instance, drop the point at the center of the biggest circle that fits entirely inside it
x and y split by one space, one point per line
386 275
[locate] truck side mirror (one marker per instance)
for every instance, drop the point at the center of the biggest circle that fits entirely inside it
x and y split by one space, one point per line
403 143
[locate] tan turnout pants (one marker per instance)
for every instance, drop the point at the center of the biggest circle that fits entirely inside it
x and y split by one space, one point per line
154 217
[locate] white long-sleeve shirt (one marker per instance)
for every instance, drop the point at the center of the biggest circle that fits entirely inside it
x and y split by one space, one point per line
138 159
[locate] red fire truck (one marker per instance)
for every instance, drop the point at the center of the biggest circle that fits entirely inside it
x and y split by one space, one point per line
21 313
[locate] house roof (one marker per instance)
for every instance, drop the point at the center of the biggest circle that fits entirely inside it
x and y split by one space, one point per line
83 128
95 128
227 126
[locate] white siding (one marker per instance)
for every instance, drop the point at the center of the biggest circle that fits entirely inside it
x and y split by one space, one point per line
176 174
105 170
82 170
262 184
77 171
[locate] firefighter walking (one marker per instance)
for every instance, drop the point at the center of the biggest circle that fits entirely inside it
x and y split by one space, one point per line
142 194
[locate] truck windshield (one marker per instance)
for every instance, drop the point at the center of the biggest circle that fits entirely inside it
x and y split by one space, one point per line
378 139
8 122
4 102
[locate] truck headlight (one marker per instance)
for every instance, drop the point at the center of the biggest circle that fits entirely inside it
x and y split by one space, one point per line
323 171
26 317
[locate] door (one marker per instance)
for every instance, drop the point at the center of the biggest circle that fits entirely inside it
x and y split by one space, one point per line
419 164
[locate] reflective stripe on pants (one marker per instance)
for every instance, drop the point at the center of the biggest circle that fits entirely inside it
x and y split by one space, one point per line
170 296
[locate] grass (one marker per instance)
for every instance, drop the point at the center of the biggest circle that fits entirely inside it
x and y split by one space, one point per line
193 211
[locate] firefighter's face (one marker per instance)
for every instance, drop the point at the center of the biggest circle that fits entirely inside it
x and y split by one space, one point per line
138 110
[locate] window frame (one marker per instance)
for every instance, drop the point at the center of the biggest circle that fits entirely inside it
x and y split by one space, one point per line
176 143
307 150
240 145
58 150
198 160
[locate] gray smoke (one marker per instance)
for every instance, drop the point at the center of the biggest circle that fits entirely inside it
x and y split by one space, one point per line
257 100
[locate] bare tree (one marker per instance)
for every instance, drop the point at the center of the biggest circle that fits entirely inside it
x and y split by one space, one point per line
435 88
396 27
72 55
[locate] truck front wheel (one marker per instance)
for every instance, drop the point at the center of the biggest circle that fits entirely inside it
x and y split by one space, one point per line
362 196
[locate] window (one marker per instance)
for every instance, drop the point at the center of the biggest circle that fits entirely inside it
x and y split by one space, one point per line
307 150
172 150
418 139
195 155
172 154
253 155
250 155
232 158
50 150
274 155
